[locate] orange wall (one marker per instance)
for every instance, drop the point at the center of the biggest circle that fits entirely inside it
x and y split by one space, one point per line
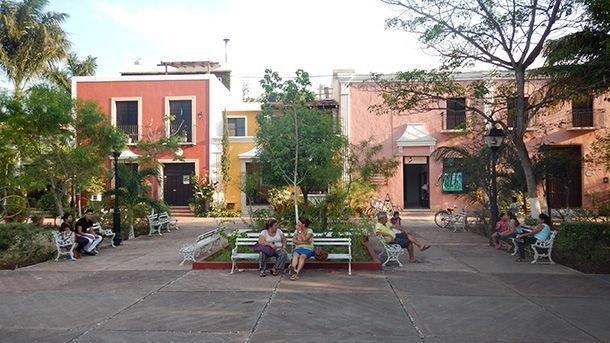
153 95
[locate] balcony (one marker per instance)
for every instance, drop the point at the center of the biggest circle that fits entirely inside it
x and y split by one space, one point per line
586 119
132 131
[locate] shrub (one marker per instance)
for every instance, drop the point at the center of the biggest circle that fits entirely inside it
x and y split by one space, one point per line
24 244
584 246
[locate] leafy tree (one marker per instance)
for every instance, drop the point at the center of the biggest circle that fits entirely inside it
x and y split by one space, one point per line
362 162
298 145
580 61
506 35
60 142
600 151
61 75
225 161
30 40
134 192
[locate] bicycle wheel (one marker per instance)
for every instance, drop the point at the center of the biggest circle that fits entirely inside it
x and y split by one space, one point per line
370 212
441 219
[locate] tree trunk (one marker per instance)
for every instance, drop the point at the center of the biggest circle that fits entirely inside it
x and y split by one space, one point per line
57 198
518 133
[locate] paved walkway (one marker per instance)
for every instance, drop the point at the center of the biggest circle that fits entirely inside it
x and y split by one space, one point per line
461 291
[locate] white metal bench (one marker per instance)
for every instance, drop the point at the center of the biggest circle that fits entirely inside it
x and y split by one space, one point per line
392 251
540 249
205 242
65 244
105 233
169 222
317 241
156 225
543 249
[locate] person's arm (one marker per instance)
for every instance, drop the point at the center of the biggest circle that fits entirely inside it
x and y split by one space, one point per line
263 241
308 237
79 230
284 241
534 231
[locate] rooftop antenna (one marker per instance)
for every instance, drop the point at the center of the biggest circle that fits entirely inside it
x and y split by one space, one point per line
226 42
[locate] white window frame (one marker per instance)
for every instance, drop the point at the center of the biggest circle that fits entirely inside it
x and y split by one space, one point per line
113 113
245 125
192 98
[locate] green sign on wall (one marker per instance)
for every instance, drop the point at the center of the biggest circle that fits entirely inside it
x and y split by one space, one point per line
452 182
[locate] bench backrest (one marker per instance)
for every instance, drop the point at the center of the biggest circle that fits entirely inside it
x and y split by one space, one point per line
207 235
97 226
152 218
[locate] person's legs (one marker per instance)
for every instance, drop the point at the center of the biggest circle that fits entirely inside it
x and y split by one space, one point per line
294 262
406 244
97 241
412 239
494 240
262 262
81 242
522 244
280 260
301 263
89 239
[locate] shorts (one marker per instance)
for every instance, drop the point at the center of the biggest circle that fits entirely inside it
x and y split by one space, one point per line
505 237
402 240
306 252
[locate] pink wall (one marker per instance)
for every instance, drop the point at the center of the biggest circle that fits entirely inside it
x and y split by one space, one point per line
386 129
153 93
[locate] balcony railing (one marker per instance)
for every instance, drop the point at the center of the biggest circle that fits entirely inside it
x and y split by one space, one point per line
588 118
176 128
131 131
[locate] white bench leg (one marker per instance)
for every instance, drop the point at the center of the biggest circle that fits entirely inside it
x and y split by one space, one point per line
233 262
349 267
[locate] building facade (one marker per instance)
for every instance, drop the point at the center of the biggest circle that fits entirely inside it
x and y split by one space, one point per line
148 107
422 183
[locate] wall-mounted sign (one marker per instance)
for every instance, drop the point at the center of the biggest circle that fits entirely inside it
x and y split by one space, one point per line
186 179
452 182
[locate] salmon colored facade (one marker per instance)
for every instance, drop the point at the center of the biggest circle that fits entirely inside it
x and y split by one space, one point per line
411 138
143 105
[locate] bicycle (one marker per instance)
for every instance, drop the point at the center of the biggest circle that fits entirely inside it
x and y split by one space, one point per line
446 219
377 206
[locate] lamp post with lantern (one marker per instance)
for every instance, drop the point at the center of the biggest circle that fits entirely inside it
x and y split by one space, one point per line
494 138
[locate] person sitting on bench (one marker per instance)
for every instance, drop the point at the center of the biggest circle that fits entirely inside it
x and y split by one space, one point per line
84 228
394 234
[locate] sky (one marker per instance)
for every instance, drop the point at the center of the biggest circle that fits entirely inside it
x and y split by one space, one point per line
284 35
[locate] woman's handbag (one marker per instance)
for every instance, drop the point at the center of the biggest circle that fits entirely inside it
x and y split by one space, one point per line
265 249
320 253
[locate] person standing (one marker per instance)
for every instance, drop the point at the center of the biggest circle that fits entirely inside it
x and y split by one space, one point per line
84 228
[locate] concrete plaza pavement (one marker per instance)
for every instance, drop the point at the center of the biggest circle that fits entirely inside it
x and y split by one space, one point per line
460 291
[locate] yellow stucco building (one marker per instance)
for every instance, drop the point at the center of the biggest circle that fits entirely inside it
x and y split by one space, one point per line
242 126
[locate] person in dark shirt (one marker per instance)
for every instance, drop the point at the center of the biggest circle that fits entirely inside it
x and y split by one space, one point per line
84 228
66 228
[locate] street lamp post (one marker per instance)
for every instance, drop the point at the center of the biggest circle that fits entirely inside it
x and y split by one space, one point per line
117 211
494 139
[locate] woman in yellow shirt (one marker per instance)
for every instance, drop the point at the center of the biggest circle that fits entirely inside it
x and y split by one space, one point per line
303 247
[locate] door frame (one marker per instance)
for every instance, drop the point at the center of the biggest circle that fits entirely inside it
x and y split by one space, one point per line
404 184
160 192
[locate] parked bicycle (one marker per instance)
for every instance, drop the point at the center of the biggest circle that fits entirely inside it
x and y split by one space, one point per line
378 205
450 219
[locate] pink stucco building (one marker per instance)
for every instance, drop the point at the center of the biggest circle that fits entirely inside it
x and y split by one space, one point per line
410 138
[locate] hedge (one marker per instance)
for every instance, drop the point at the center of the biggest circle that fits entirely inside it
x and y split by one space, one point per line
584 246
24 244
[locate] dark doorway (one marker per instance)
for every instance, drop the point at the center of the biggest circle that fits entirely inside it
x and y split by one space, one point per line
565 176
178 185
415 183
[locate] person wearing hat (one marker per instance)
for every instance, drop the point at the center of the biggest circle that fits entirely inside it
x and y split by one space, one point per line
395 235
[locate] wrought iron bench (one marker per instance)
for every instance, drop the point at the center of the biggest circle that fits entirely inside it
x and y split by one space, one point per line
104 233
205 242
392 251
65 244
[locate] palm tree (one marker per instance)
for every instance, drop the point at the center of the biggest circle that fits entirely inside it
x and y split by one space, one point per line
31 40
133 191
62 75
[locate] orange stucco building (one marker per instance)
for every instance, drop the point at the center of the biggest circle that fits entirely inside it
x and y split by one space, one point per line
148 107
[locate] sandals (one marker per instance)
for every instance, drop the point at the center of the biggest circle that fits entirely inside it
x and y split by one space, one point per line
274 272
425 247
291 270
262 273
294 277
